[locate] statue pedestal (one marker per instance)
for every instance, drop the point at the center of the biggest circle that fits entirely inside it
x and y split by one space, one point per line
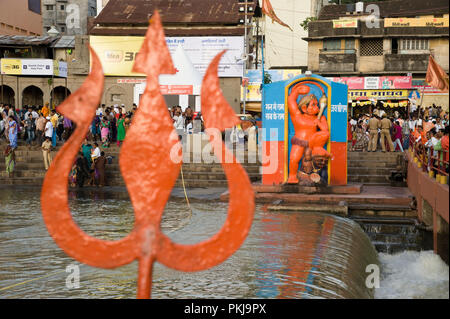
291 188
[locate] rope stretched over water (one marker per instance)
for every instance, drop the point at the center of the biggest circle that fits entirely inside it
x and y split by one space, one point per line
187 201
31 280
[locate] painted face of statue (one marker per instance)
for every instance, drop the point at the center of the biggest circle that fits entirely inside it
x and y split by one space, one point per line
311 108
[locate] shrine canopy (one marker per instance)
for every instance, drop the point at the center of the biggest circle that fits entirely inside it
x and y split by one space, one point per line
187 80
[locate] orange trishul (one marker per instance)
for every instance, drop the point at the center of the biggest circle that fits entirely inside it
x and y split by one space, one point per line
149 174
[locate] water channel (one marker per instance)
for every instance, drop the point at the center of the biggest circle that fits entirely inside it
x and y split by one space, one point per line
286 255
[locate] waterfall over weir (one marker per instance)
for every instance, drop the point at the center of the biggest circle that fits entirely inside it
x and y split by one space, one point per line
330 258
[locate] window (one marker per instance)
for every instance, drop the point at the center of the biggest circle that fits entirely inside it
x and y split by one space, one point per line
414 44
349 45
332 45
62 7
49 7
371 47
34 6
63 29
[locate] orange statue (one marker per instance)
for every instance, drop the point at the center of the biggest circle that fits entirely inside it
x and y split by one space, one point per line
311 128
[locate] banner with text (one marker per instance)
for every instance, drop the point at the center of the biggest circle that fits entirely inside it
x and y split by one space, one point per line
118 53
375 83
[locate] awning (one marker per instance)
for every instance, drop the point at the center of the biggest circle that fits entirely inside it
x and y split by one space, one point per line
252 106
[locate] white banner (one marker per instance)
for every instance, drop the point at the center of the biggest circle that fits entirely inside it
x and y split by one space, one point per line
371 83
201 51
37 67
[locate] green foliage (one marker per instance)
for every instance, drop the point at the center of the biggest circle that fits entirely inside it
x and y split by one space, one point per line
267 78
304 23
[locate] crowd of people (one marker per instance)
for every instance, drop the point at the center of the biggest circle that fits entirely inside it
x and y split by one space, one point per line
184 122
41 128
426 128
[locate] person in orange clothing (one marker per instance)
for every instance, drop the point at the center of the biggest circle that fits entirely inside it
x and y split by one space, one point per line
444 144
45 110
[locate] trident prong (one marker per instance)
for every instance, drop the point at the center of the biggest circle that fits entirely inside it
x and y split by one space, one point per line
149 174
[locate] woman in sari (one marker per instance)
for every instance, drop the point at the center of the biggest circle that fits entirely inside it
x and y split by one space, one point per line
362 140
120 129
12 132
10 160
104 124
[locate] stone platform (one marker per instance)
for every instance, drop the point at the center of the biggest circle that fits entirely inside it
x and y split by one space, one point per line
354 200
300 189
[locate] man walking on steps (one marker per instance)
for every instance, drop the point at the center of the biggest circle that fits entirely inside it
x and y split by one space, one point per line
374 125
386 125
46 149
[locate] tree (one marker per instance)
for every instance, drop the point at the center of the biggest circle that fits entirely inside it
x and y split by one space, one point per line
304 23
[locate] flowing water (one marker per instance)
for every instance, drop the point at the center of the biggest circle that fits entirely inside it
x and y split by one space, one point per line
286 255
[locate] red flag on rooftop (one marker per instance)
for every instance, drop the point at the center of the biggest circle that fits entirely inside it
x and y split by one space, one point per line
436 76
267 9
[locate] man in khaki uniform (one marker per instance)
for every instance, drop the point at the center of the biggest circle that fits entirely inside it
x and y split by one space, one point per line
374 125
386 125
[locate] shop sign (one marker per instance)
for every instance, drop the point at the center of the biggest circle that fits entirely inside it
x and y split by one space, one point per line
415 22
36 67
375 83
177 89
377 94
345 23
11 66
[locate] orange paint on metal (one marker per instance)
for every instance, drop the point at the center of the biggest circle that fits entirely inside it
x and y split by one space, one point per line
149 174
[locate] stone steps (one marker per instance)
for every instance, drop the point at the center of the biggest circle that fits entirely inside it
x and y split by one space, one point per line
366 179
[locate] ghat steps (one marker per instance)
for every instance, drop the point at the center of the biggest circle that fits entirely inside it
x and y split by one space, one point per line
29 169
373 168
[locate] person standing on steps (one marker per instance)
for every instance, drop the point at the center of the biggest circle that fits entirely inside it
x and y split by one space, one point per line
374 125
386 125
48 128
10 160
30 128
12 132
398 136
54 121
99 166
46 149
40 128
120 129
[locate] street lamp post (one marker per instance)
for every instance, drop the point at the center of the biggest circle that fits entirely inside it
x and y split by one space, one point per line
245 57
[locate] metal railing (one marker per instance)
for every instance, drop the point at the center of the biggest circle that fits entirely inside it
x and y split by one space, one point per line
434 162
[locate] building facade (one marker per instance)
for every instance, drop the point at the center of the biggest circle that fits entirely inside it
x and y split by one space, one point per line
382 39
205 21
285 48
21 17
69 17
60 66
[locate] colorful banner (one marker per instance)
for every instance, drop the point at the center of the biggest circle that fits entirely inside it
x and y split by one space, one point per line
11 66
415 22
375 83
43 67
255 80
177 89
345 23
377 94
117 53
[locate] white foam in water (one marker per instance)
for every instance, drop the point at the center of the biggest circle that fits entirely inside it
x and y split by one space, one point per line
413 275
